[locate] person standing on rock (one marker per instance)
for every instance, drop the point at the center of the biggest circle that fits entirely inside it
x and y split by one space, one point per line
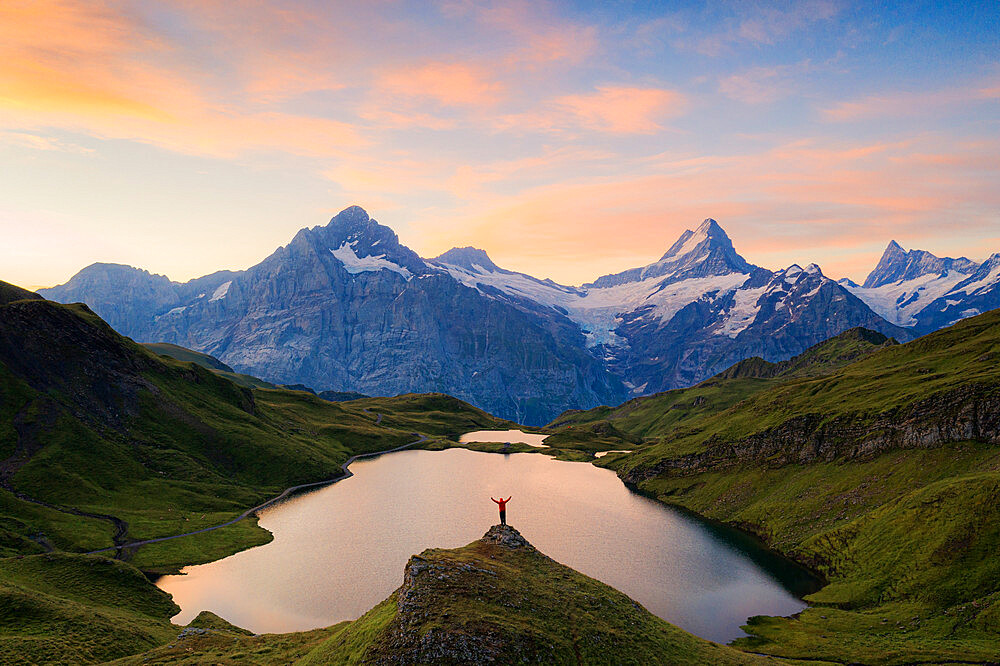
502 503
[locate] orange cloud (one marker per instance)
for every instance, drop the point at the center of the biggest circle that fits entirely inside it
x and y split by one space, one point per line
613 109
80 66
623 109
837 204
449 84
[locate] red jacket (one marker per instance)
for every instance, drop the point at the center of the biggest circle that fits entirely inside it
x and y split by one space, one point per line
502 502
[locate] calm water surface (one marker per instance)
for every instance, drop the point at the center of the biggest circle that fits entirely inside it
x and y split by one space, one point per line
340 550
529 438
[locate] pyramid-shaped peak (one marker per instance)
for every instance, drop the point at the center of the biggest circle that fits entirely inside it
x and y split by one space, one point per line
352 215
894 247
702 240
710 228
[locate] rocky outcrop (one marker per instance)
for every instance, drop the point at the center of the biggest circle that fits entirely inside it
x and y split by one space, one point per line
968 413
500 601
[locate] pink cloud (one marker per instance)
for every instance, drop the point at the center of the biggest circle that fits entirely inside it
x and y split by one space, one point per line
612 109
835 203
447 83
538 37
623 109
904 103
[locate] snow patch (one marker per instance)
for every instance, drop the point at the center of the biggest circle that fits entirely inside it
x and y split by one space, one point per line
354 264
742 313
691 243
221 291
900 302
169 313
980 285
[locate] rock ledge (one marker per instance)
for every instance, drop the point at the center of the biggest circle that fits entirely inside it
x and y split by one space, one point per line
506 536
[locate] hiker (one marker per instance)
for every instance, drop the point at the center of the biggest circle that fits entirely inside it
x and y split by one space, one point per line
503 508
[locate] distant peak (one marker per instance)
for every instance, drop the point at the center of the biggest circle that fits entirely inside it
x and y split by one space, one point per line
689 241
813 269
466 257
898 265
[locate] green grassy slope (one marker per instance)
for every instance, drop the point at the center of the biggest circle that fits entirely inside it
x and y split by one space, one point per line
664 414
103 441
184 354
497 600
92 422
883 475
72 609
10 293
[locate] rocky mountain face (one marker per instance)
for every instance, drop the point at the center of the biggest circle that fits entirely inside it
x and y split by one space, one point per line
346 307
898 265
697 310
923 292
708 251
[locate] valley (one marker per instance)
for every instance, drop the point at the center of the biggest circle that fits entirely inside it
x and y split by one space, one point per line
858 441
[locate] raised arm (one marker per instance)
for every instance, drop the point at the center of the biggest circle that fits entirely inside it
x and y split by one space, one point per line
494 500
508 499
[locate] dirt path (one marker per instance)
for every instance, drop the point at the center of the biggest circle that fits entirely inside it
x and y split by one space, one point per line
126 551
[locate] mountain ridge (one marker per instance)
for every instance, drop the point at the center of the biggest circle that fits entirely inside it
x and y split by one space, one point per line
346 307
921 291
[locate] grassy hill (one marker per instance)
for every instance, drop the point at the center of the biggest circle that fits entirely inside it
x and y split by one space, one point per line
10 293
667 413
881 473
184 354
103 441
496 600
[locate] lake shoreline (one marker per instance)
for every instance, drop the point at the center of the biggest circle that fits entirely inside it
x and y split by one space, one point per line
675 569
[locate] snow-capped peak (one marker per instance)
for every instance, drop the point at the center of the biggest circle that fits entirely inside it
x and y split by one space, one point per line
704 252
899 265
691 241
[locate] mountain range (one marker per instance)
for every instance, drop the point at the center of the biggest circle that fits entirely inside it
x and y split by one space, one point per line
923 292
346 307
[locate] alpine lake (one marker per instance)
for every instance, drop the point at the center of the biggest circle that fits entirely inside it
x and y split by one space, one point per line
341 549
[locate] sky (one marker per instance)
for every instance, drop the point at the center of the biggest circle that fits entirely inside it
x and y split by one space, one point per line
567 139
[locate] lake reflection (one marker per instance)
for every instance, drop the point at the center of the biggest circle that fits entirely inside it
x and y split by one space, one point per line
340 550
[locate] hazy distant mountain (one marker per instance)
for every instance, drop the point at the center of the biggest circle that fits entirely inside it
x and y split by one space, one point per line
345 307
919 290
